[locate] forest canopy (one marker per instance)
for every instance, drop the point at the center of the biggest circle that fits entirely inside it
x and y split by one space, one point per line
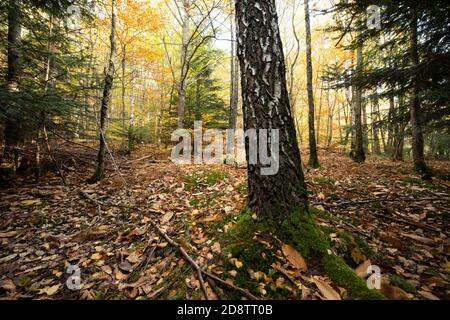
224 149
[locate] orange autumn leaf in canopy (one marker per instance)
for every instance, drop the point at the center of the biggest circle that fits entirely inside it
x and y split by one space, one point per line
138 21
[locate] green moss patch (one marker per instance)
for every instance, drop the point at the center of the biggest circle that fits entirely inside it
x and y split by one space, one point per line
300 231
324 180
199 180
402 283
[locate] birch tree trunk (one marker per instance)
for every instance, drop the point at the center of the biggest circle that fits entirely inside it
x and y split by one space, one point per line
109 78
313 159
266 106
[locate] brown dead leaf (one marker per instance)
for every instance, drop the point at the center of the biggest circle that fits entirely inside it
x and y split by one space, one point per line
216 248
361 270
30 202
134 258
294 257
166 217
325 289
8 234
107 269
7 285
428 295
418 238
394 293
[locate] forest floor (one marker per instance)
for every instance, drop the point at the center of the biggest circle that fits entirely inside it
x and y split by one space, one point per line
377 213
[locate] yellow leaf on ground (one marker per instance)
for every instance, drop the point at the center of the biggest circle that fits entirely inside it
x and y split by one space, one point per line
96 256
50 290
120 276
134 258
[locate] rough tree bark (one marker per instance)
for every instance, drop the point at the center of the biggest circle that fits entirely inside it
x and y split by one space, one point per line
12 132
357 153
313 159
266 106
416 125
109 77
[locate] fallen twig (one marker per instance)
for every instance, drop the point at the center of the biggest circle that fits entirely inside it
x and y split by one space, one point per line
345 203
199 270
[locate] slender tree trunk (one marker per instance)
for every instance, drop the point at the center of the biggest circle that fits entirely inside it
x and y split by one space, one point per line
399 131
266 106
365 127
313 159
390 125
416 114
124 66
380 126
232 122
318 116
49 86
296 55
184 65
11 130
109 78
375 130
358 154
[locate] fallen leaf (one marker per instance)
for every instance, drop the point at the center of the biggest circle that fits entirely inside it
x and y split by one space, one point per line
106 269
361 270
8 234
166 217
126 266
120 276
134 258
294 257
7 285
393 292
428 295
418 238
216 248
30 202
96 256
8 258
357 255
325 289
50 290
